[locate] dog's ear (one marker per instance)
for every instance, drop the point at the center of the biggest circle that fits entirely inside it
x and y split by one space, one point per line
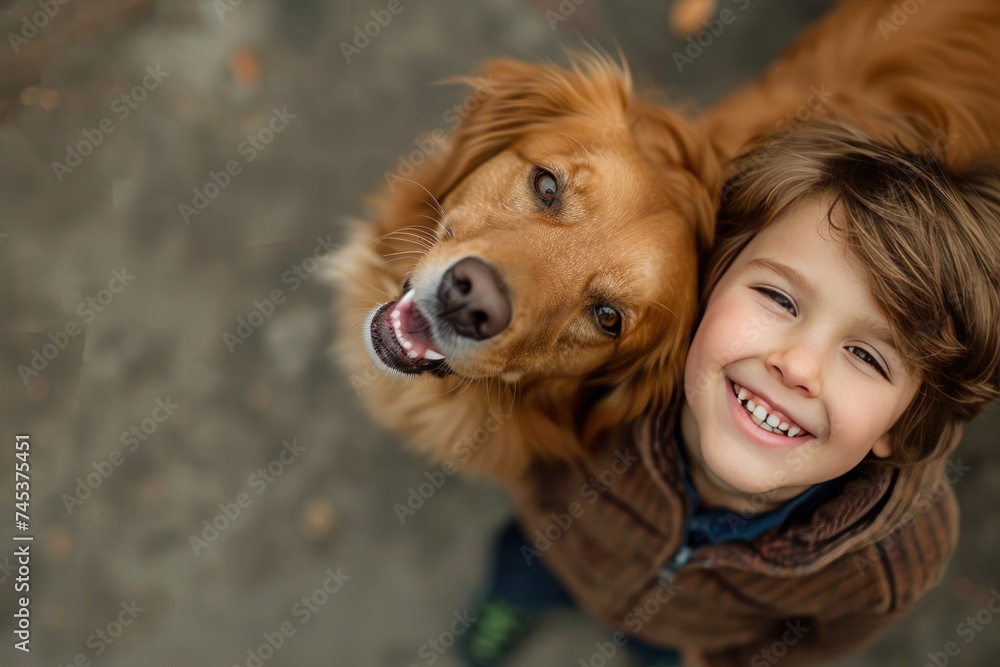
670 141
511 98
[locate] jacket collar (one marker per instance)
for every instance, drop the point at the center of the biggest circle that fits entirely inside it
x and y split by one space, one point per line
857 516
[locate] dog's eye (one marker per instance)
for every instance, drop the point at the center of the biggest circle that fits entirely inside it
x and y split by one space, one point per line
609 319
546 186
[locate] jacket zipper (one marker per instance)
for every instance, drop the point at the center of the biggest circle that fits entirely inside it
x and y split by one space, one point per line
679 560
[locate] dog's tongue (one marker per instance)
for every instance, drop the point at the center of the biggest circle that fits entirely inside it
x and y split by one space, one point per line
411 329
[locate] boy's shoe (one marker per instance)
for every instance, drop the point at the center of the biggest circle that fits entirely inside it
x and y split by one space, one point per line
498 629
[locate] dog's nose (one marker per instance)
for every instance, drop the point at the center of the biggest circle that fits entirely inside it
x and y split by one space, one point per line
473 299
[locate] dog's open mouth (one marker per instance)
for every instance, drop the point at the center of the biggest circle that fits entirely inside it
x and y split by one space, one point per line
403 340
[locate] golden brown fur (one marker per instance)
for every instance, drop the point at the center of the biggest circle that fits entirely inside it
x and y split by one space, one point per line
642 196
636 210
938 66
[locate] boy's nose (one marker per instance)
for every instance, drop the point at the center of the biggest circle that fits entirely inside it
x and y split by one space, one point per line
797 367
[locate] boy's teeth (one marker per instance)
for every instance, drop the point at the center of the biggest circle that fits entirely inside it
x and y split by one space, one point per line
760 416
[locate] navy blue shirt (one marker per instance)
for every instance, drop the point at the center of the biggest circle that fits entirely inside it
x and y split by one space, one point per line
713 525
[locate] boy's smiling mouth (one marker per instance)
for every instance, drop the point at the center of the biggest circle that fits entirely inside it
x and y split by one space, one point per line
765 417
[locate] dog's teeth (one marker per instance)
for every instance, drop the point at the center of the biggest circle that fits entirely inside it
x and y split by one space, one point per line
432 355
407 344
412 354
407 298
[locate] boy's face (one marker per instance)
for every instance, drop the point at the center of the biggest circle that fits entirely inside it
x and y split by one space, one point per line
794 324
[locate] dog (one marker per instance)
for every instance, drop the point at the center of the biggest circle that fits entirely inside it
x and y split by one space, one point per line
539 271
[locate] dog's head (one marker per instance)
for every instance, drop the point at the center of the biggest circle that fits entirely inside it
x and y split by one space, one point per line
555 237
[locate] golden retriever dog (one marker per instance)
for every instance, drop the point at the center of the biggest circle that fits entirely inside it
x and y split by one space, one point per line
535 280
537 276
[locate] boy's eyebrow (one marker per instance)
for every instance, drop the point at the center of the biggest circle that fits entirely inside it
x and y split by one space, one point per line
786 272
876 328
879 330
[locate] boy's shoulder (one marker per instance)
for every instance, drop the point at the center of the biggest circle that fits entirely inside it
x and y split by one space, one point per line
916 535
881 543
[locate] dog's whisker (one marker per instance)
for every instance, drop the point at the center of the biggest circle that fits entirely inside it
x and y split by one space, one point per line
395 260
410 237
391 295
424 249
460 388
657 303
419 253
436 203
417 229
368 284
424 229
412 230
579 143
413 241
439 223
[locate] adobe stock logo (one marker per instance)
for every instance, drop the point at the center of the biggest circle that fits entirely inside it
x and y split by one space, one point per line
250 148
362 38
86 309
104 467
122 107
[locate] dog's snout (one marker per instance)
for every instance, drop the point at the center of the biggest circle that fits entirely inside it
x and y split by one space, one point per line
474 300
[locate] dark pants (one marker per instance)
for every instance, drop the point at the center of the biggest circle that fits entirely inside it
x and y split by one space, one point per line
534 588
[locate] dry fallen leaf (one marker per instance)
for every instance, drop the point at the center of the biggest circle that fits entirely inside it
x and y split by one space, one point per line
689 16
245 67
60 542
29 96
318 519
48 99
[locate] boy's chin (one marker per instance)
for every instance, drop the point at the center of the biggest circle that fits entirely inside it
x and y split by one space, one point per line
749 482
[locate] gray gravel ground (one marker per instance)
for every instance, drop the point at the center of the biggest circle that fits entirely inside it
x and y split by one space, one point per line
160 336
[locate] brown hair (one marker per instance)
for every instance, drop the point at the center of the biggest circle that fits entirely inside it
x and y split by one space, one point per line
930 237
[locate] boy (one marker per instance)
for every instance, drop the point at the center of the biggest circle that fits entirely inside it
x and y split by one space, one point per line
797 502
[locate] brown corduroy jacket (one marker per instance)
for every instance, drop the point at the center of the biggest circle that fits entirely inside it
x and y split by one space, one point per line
801 594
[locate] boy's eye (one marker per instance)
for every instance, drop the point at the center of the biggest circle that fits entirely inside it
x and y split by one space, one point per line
779 298
866 357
